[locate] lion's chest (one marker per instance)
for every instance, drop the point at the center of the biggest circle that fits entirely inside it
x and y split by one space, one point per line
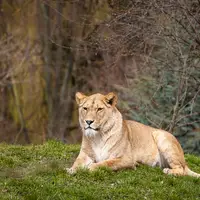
100 151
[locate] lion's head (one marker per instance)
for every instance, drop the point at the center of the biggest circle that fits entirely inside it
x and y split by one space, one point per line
97 112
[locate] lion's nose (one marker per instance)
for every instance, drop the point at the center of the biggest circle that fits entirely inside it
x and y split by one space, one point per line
89 121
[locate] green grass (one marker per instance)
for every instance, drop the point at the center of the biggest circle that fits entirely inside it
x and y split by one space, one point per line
37 172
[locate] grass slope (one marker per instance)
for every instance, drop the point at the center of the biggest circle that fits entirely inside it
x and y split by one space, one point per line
37 172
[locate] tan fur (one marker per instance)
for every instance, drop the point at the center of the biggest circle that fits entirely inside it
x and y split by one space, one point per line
116 143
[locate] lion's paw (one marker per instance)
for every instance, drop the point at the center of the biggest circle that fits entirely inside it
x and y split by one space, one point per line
166 170
92 166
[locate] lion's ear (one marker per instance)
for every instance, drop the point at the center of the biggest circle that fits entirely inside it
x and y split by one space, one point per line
111 98
79 97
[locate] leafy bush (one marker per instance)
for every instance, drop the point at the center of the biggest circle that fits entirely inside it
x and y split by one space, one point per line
153 102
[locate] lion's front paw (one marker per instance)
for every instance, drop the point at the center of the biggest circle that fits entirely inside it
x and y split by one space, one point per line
92 166
71 170
166 170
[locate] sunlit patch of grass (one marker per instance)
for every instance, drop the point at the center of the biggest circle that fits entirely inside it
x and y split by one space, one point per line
38 172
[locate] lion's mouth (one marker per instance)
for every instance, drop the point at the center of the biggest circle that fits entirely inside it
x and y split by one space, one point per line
89 127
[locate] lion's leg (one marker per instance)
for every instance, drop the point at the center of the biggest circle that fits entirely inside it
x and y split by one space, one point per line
170 150
114 164
180 171
83 160
175 162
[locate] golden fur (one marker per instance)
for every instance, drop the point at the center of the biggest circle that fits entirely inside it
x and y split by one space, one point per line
110 141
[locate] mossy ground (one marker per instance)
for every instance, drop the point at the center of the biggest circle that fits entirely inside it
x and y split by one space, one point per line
37 172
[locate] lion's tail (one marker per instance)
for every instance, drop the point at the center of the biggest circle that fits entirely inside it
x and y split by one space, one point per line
191 173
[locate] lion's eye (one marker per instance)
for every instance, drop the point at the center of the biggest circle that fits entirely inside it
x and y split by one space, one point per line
99 109
84 108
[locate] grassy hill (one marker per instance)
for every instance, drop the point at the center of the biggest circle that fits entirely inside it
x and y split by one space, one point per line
37 172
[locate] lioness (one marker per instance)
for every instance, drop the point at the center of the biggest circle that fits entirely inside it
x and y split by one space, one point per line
110 141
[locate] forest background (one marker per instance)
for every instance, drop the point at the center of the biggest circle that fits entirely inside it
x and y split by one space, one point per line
148 52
